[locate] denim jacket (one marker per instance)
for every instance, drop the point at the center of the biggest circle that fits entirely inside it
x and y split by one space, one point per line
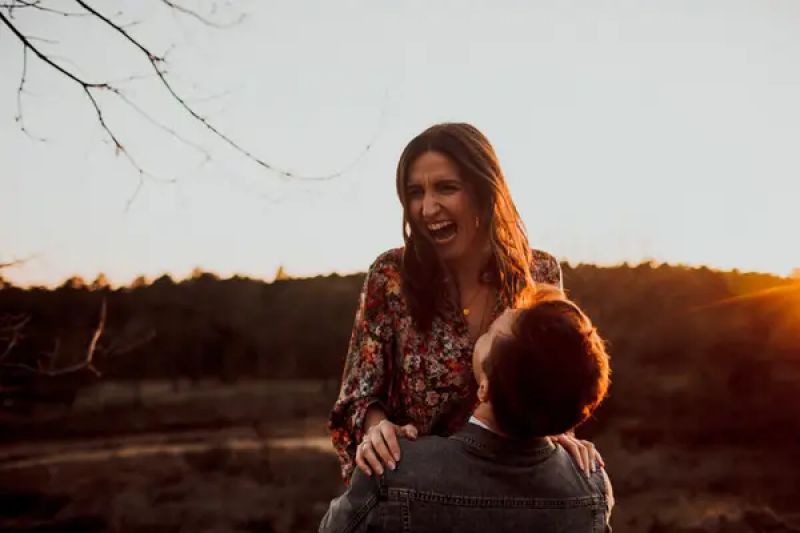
475 481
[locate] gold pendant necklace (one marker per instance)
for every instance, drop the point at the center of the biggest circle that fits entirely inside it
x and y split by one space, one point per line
466 309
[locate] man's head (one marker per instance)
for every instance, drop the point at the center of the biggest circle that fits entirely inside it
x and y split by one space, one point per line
541 369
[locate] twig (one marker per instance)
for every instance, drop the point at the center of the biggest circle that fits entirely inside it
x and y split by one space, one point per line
14 331
161 126
41 39
197 16
19 118
96 337
87 87
116 350
37 5
87 362
46 59
135 195
118 147
15 262
156 61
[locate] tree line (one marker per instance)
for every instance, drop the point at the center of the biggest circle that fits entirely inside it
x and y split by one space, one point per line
687 343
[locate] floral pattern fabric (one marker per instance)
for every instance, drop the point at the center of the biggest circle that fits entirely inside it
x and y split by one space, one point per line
418 377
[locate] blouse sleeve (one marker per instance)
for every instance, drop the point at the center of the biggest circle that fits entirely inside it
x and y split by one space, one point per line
546 269
365 377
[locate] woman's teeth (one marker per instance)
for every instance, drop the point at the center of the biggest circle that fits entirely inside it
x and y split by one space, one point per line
438 225
442 231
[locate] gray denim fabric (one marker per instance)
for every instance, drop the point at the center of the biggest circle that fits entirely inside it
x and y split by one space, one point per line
474 481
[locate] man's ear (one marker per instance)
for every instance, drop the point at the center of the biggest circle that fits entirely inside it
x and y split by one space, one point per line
483 390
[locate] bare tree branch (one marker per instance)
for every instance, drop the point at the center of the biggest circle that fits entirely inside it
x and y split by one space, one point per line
37 5
161 126
155 62
87 89
96 337
19 118
197 16
11 332
119 148
15 262
86 362
46 59
41 39
158 65
135 194
118 348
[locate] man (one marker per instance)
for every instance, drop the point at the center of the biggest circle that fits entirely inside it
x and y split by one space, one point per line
541 370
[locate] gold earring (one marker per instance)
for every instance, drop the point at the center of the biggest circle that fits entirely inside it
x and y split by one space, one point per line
477 222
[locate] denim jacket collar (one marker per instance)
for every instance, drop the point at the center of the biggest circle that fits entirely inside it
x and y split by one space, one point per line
484 443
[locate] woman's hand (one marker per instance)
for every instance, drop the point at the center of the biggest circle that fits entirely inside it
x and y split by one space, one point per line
380 446
583 452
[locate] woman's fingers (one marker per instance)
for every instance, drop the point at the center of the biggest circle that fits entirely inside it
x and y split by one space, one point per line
576 452
380 446
370 458
583 452
580 453
591 454
585 458
409 431
599 458
360 462
383 437
595 459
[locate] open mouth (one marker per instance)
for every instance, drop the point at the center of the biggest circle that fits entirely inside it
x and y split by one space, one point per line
442 232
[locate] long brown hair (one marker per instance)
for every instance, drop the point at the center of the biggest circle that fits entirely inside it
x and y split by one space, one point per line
423 272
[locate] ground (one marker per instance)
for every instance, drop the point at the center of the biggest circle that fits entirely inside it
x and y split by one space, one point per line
254 456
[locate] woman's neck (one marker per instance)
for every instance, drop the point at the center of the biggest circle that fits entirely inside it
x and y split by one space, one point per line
467 270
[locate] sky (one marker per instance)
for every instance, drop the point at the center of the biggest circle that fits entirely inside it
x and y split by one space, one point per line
627 130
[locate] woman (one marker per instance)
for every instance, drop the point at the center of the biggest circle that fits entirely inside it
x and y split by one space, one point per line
466 259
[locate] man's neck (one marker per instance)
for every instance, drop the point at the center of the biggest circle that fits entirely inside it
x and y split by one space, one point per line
483 413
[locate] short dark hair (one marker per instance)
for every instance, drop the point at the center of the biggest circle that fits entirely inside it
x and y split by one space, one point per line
551 373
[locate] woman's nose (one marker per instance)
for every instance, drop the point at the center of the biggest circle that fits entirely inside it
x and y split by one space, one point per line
429 205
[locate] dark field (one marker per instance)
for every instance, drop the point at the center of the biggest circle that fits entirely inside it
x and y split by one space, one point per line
245 457
210 412
254 456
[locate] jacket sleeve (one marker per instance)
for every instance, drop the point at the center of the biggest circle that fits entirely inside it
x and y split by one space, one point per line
349 513
609 498
365 377
603 483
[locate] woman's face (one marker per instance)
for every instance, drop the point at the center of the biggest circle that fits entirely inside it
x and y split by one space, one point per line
443 206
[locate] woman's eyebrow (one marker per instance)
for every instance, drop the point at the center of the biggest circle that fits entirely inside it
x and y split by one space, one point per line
433 180
412 181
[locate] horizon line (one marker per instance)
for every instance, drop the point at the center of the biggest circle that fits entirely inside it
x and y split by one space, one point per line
282 274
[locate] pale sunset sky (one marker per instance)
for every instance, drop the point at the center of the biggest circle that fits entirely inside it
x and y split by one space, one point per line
628 131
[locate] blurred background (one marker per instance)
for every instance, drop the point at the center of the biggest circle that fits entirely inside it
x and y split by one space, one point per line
191 191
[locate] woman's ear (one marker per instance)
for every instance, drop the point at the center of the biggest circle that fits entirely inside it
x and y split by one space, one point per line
483 390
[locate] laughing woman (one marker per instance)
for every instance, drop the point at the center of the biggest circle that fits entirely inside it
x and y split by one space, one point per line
466 258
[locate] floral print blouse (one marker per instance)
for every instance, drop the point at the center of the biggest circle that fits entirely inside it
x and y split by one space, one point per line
418 377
